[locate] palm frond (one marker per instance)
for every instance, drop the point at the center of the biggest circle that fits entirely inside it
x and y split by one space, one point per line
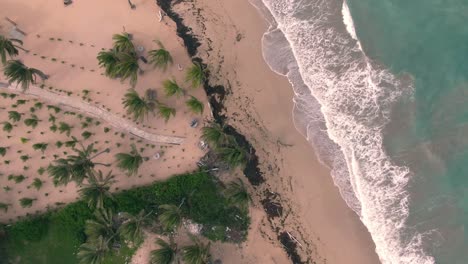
136 105
198 253
160 58
16 72
165 254
97 189
215 135
8 48
93 252
14 116
123 42
195 105
129 162
108 60
195 75
172 88
132 227
237 194
170 217
127 68
165 112
233 155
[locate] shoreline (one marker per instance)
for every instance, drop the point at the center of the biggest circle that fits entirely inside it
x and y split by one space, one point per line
359 236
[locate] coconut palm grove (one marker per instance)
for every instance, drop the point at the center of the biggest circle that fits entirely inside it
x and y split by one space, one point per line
75 172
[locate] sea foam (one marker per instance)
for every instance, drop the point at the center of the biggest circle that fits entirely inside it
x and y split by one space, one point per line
342 103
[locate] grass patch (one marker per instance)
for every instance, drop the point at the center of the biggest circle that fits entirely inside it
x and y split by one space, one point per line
55 236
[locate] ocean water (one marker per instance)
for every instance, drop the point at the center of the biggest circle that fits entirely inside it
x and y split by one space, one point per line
381 92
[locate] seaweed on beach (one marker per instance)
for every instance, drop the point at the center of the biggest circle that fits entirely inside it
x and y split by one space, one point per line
291 247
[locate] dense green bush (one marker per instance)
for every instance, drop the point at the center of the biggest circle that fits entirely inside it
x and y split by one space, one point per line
31 229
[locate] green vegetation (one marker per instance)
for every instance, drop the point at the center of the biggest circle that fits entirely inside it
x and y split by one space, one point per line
171 88
198 253
32 122
26 202
4 207
215 136
195 105
16 71
97 189
8 47
86 134
7 127
195 75
24 140
165 112
40 146
237 194
165 254
16 178
75 167
137 106
3 151
121 61
14 116
37 183
160 58
129 162
170 217
65 128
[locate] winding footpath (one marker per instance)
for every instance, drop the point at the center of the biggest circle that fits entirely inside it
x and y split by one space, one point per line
95 111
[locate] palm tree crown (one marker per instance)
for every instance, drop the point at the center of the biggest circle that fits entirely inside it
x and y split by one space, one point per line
8 47
198 253
215 136
129 162
16 71
132 227
123 42
137 106
165 254
195 105
160 58
195 75
172 88
238 194
93 252
97 189
75 167
165 111
170 217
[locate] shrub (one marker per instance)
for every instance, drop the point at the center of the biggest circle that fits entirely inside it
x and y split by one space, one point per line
37 183
26 202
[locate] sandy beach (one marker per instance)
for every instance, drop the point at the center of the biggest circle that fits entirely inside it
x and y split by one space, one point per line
258 104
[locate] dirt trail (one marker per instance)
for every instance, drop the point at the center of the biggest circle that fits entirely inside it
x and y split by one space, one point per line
95 111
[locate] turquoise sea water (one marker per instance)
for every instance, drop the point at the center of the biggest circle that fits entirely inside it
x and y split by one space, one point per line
381 93
428 131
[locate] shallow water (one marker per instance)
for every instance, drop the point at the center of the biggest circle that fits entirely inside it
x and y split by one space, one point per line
380 93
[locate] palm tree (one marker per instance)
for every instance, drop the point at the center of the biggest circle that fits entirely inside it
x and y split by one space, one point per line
233 155
127 67
165 111
160 58
123 42
8 47
75 167
170 217
93 252
137 106
132 227
172 88
195 105
4 207
14 116
165 254
215 136
198 253
195 75
97 189
108 60
129 162
16 71
32 122
237 193
103 226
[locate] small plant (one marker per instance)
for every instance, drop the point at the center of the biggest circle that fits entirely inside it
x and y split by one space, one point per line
14 116
53 59
37 183
53 128
7 162
7 127
38 105
20 102
71 143
55 108
41 171
24 158
32 122
52 118
24 140
3 151
86 134
40 146
59 144
106 129
4 207
26 202
7 188
16 178
65 128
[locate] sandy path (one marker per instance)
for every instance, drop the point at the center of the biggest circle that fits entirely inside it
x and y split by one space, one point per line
94 111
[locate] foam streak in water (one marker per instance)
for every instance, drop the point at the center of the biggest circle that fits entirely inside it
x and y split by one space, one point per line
330 72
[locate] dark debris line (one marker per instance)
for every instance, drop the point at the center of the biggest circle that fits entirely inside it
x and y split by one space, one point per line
216 95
